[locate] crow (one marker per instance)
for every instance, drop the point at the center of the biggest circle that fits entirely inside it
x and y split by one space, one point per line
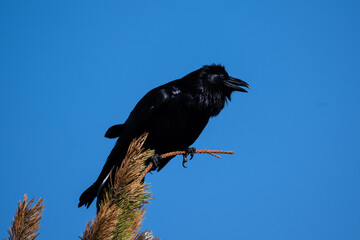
174 115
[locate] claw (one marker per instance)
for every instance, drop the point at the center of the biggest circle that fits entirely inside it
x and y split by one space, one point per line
189 151
184 160
155 159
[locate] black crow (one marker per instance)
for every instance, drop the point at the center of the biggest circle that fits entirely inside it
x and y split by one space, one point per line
173 114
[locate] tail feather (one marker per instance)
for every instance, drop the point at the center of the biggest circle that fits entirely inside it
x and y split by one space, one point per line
88 196
115 131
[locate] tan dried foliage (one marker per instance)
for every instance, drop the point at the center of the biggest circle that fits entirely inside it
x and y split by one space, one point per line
121 213
129 192
147 235
104 224
26 222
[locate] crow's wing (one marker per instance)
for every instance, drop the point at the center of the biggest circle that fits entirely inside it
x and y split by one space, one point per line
154 101
159 99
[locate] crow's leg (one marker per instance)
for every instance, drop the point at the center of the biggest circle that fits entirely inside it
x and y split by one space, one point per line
155 159
189 151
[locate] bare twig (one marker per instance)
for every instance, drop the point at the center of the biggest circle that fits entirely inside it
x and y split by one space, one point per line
211 152
170 154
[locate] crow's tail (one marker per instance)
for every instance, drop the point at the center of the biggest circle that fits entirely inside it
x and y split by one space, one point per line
96 189
88 196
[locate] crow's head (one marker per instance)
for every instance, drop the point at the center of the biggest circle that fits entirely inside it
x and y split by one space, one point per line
215 77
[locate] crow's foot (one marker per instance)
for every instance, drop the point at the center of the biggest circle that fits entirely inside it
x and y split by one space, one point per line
189 151
155 160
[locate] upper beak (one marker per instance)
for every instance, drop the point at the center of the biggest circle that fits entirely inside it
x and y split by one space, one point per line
236 84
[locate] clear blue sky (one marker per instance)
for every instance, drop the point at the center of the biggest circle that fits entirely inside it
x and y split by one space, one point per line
69 70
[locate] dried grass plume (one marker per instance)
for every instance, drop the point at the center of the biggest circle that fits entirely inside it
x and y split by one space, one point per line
26 222
121 213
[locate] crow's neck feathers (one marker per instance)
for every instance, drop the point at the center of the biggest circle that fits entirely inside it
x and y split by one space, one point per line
210 98
211 102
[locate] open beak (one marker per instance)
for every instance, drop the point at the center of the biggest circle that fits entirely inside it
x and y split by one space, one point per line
236 84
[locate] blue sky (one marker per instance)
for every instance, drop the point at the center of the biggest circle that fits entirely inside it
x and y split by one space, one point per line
69 70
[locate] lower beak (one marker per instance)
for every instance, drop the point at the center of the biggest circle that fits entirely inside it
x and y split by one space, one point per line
236 84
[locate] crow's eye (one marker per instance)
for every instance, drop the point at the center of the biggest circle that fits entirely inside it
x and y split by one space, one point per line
222 76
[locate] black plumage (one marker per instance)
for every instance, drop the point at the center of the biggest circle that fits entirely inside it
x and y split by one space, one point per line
173 114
